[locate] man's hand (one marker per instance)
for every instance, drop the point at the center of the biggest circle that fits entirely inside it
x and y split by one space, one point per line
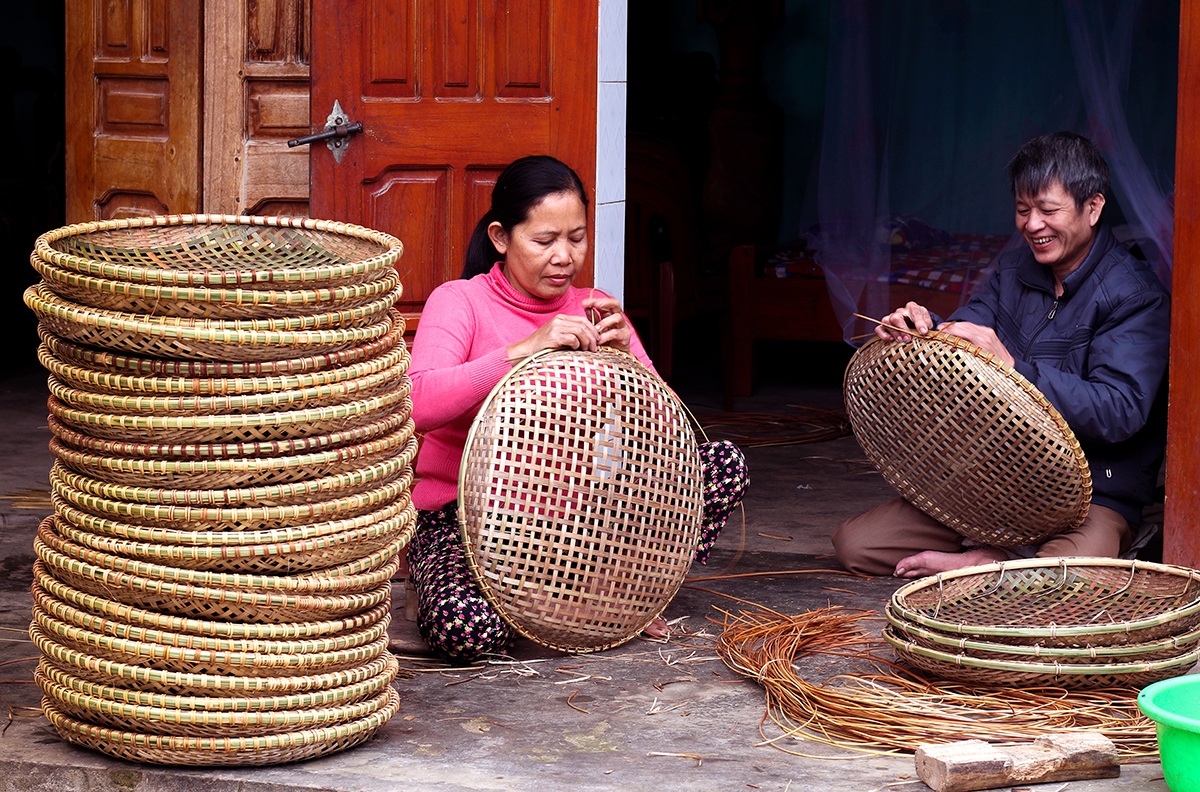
890 329
982 337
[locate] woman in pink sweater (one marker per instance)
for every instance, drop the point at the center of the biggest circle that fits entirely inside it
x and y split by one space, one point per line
514 299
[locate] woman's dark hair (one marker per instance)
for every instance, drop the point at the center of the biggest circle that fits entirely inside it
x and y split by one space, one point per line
1064 157
521 186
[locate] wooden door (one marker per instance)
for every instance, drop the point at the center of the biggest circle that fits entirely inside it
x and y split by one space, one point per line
133 115
449 92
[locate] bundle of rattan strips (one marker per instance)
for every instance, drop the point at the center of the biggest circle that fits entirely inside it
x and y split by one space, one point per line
238 519
233 427
117 628
98 381
226 472
254 750
199 723
73 438
204 370
202 302
1171 646
359 574
174 339
154 680
203 630
386 511
220 250
65 481
1134 615
345 694
308 555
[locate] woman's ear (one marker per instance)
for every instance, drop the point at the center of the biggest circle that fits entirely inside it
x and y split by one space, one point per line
499 237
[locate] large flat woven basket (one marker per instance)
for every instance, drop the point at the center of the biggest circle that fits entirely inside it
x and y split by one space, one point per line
967 440
580 498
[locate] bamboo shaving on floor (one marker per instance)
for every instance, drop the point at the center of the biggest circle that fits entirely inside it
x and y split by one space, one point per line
888 709
753 429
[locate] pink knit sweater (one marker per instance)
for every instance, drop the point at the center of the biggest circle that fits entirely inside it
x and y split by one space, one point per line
459 355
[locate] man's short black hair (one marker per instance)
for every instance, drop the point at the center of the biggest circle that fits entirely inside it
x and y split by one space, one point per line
1064 157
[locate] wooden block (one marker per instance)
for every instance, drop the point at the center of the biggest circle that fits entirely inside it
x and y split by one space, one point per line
972 765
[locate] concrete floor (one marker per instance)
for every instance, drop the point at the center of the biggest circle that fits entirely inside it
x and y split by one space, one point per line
510 727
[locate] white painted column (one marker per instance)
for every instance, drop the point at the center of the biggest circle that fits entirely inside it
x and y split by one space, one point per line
609 234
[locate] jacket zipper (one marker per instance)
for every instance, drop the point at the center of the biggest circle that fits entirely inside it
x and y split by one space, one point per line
1053 310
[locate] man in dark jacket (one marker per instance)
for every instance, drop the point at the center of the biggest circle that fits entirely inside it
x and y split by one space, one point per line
1087 324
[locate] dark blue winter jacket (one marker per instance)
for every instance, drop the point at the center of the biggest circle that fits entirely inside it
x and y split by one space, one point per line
1098 353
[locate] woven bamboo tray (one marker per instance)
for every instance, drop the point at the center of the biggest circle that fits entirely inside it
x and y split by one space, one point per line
198 302
198 661
224 751
170 337
969 670
120 629
95 380
203 629
580 498
118 364
251 427
222 250
276 558
1066 602
138 678
232 472
967 440
313 699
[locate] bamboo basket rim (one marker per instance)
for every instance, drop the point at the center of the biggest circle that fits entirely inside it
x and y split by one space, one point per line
221 369
45 249
1051 630
205 627
304 700
267 749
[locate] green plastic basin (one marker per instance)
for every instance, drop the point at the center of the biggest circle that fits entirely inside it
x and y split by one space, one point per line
1174 706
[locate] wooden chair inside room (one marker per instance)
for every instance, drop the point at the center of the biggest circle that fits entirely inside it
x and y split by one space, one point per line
662 242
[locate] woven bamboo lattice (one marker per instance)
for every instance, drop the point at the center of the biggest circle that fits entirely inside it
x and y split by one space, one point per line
198 302
267 749
580 498
222 250
1056 602
172 337
967 440
118 364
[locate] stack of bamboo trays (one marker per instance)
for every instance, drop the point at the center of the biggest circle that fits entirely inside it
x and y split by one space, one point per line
1076 623
233 440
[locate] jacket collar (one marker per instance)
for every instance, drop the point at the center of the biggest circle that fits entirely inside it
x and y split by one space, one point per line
1038 276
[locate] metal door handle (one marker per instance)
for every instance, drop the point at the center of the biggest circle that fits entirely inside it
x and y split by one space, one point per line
339 131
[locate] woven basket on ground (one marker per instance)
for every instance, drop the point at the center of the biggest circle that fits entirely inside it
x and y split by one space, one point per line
580 498
967 439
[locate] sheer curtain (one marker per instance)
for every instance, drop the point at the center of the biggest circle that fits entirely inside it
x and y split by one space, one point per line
927 100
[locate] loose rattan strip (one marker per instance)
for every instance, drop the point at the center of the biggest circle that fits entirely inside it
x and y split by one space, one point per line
204 629
234 427
580 498
96 380
200 723
967 439
386 424
172 683
1056 601
233 472
277 558
170 337
970 670
345 694
117 628
197 302
303 512
110 361
334 393
221 250
196 661
224 751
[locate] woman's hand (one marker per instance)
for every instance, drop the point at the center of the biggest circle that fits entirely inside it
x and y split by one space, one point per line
917 315
610 322
572 332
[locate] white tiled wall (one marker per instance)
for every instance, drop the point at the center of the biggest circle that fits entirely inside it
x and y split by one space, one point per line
609 237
